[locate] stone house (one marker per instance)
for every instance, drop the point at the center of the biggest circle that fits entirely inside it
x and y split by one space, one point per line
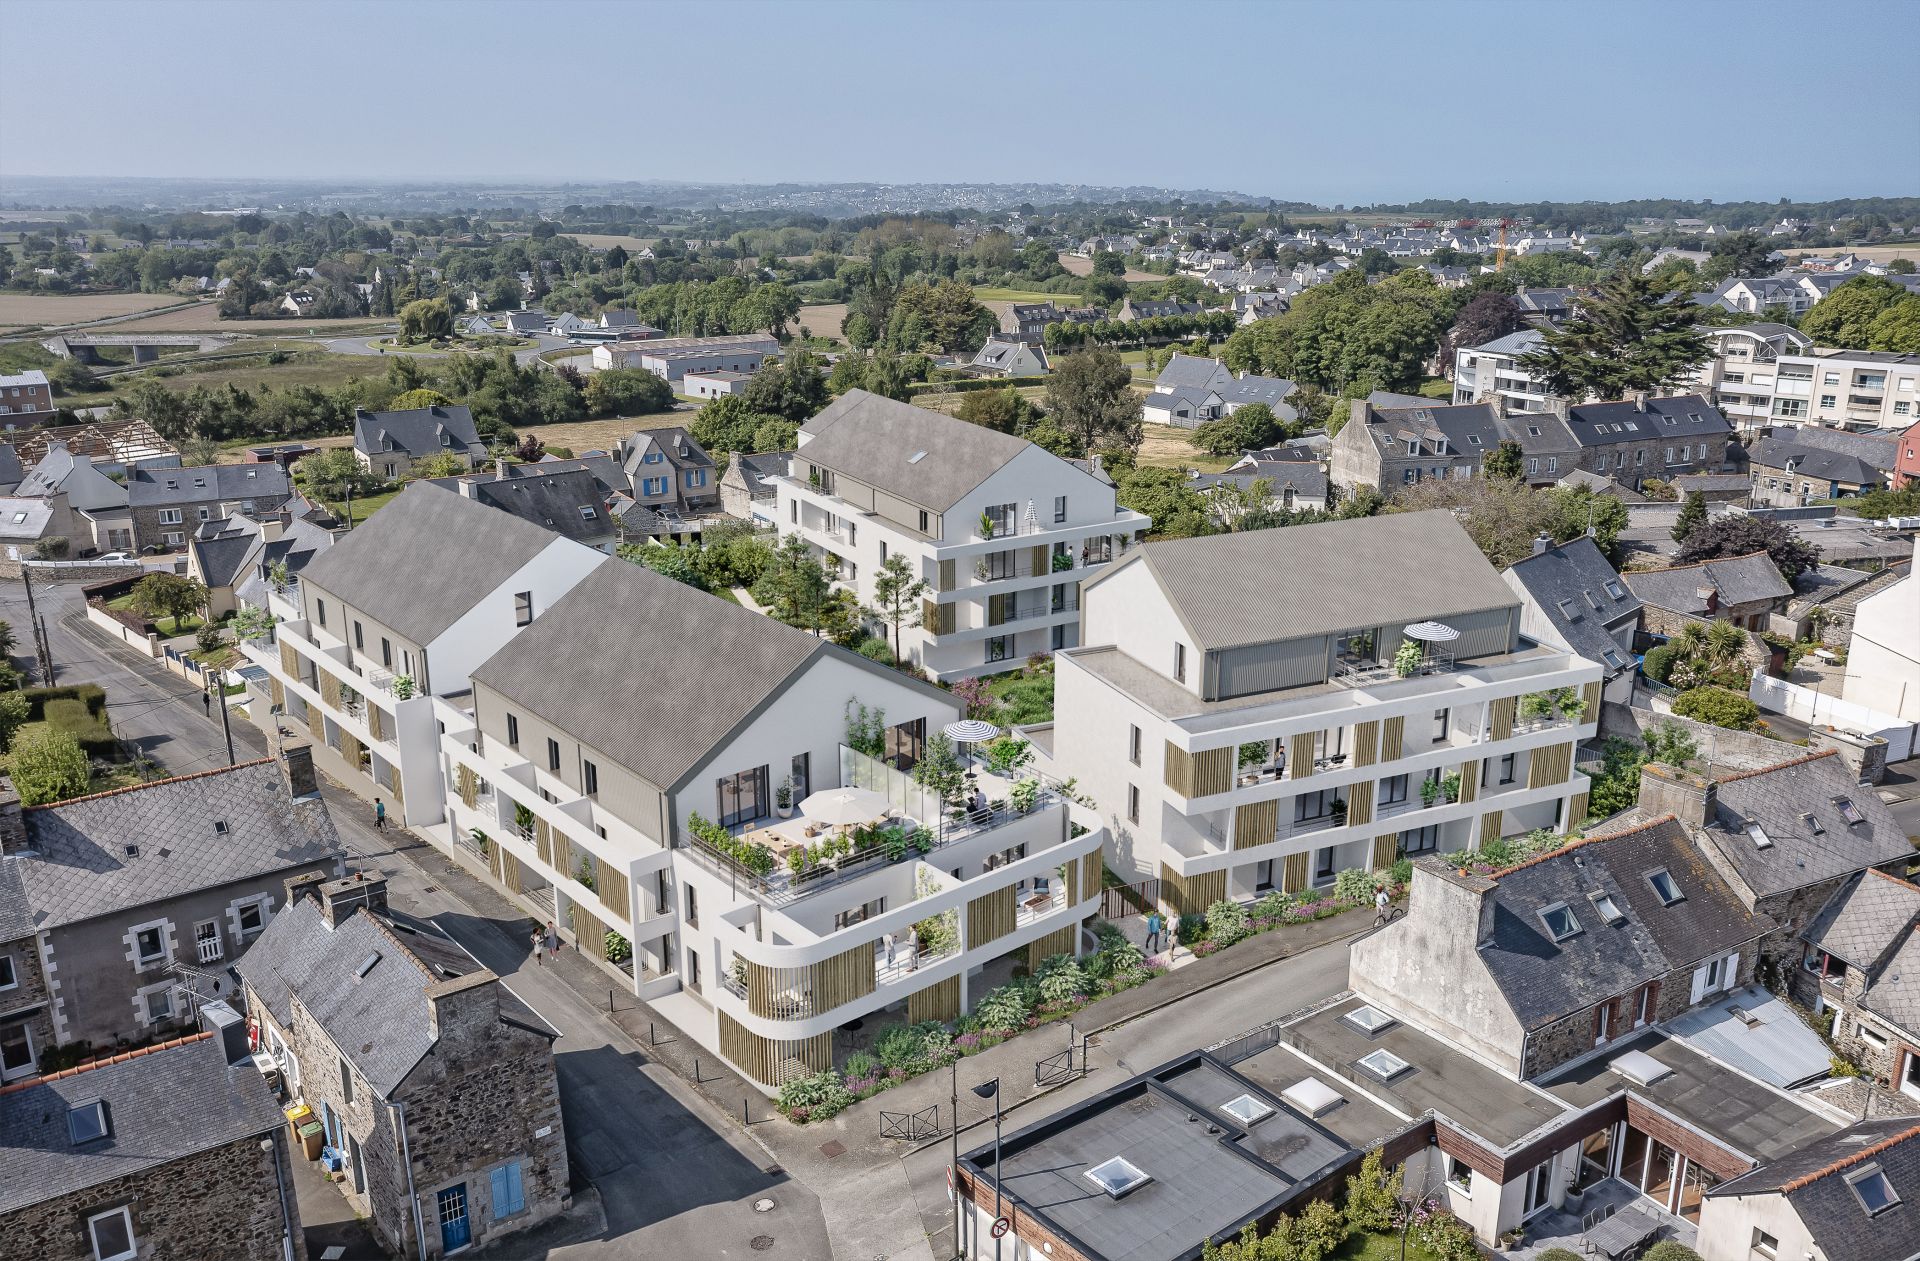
434 1082
746 488
169 504
137 898
174 1152
387 443
26 1014
1852 1196
1860 974
1388 448
1642 437
1744 590
1790 472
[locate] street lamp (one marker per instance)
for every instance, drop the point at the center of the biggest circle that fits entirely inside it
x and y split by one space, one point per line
991 1090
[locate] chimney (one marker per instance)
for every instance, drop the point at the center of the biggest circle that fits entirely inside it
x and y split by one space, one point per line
1639 400
228 1029
1097 463
1541 542
305 885
1447 899
296 761
464 1008
500 469
1358 413
13 825
1558 405
1687 797
339 899
1500 403
1710 597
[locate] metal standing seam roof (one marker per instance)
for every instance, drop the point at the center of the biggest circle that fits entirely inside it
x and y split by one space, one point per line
1263 586
422 561
80 866
924 457
163 1104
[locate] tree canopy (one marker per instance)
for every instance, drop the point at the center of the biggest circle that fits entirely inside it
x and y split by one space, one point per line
1503 517
1729 536
1627 336
1866 313
1348 336
1090 396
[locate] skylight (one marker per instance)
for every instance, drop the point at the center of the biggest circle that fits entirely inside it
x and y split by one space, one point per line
1849 811
1813 825
1312 1096
1369 1020
915 458
1560 920
1617 591
1246 1109
1383 1064
1608 908
1873 1189
1759 835
366 964
1117 1176
1664 884
87 1121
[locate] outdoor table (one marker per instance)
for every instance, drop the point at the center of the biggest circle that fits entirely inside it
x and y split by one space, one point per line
1625 1231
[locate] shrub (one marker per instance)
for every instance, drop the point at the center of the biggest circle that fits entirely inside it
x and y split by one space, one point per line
1005 1009
1355 884
1318 1231
1718 706
751 855
70 715
1658 664
1670 1250
1189 929
1227 923
1372 1198
619 949
48 765
1559 1254
1403 871
1062 980
860 1064
876 649
815 1098
93 694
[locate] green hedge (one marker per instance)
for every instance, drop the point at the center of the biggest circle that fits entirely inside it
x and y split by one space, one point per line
94 696
71 715
970 383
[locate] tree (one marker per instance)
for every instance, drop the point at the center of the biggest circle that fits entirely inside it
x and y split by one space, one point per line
1738 254
897 592
729 424
1350 336
439 464
416 398
1503 517
1627 336
1002 410
1849 315
48 765
1719 706
682 564
1167 496
1485 316
1900 267
942 315
171 596
1504 462
14 709
795 586
1090 395
1250 428
1693 515
794 388
429 319
1729 536
627 392
332 473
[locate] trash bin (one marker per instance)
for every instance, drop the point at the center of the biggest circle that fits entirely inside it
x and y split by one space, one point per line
312 1136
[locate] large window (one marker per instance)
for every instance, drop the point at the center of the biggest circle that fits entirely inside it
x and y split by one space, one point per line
743 797
1420 840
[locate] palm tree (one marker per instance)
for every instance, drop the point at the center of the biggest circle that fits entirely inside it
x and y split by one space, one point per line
1725 644
1688 641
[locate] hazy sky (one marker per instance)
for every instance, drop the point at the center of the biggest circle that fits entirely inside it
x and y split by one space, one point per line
1352 101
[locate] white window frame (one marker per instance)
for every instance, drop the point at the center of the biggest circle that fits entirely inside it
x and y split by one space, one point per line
125 1214
146 963
9 971
169 516
241 934
143 998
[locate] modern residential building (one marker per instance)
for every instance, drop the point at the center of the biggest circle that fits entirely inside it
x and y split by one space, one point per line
1001 531
1852 1196
674 357
1494 370
1571 599
1242 724
398 612
174 1150
26 398
388 443
139 897
1739 379
1848 389
650 823
433 1081
1883 660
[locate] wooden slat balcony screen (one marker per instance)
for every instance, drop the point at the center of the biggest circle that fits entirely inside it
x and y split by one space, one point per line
1576 810
1092 867
1550 765
610 885
1393 733
467 784
1300 755
495 863
289 660
351 748
1366 743
1255 823
330 690
1293 873
1386 850
1360 803
590 935
1500 718
279 694
1192 895
1199 774
939 1001
1470 779
1039 559
1490 826
810 989
394 786
1058 942
375 724
543 842
946 578
990 917
1591 695
774 1061
937 618
510 870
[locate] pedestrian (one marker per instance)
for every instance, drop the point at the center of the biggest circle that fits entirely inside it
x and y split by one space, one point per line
553 937
1153 932
539 948
1380 906
888 938
206 702
379 815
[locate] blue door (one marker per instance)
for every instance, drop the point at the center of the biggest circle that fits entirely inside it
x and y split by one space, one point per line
455 1231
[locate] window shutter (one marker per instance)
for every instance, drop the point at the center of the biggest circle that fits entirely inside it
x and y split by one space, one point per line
1699 985
1599 1023
514 1189
501 1202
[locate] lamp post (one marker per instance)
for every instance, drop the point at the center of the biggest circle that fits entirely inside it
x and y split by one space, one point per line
991 1090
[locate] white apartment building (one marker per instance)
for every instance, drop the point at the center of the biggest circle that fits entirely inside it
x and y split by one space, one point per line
1739 379
1848 389
1241 724
1482 373
1883 658
396 613
615 768
1001 531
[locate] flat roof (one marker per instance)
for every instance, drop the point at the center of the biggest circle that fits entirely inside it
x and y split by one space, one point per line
1358 1120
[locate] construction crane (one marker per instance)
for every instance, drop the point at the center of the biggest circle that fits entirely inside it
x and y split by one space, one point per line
1500 262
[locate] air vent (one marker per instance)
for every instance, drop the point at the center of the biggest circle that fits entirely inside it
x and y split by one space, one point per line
1117 1177
1246 1109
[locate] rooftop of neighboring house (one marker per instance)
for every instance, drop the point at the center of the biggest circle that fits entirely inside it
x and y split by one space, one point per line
1887 357
566 501
1765 330
1877 449
1581 595
16 913
424 559
1869 918
417 432
1681 418
1469 430
757 471
617 317
157 1105
1857 1190
673 444
1522 342
130 847
1306 480
1709 483
299 543
54 471
526 321
11 474
1191 371
1186 1183
603 465
1607 485
1818 823
1894 994
1390 570
1387 400
1736 580
221 549
925 457
1545 300
25 520
209 483
1002 349
693 347
368 980
1801 460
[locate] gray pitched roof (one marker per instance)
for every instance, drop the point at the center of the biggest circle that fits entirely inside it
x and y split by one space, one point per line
423 560
163 1104
1814 1180
1471 429
1813 462
1575 589
1794 804
671 441
24 519
11 474
223 547
1305 480
1895 993
16 915
1738 580
1544 980
1192 372
925 457
1877 450
1866 920
151 487
1521 342
417 432
758 471
1681 418
623 623
1253 587
553 501
80 866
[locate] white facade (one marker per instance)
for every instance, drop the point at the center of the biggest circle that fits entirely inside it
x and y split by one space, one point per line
996 597
1847 389
1883 660
1740 378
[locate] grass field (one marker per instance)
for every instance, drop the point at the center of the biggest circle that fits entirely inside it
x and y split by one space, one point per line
167 626
23 309
604 242
250 371
991 294
1084 267
1165 446
1873 253
204 317
823 321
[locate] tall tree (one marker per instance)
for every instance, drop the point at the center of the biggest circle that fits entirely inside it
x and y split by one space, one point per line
1485 316
1504 461
897 592
1090 396
1627 336
1693 515
1742 536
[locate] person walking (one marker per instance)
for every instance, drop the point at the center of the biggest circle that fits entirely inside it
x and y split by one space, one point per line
206 701
553 938
379 815
888 938
539 947
1153 932
1380 907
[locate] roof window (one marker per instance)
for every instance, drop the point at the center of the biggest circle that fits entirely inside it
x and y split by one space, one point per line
1871 1188
1246 1109
1849 811
1813 825
1608 908
1560 920
366 965
1369 1020
1383 1064
1312 1096
219 827
1617 591
1117 1176
1758 835
87 1121
1665 886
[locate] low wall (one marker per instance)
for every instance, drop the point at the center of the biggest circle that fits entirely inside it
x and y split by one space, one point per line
1728 750
68 570
148 644
1818 710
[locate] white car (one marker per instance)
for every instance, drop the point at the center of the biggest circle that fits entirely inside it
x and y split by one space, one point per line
112 558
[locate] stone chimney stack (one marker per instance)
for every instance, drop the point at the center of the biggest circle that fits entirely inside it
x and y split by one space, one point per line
1710 597
13 825
296 762
306 885
339 899
500 470
1639 400
1690 798
1541 542
1359 413
462 1009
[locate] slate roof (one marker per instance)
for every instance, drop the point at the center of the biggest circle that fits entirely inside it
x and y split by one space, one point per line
24 519
1192 372
80 867
1895 993
221 549
1575 587
417 432
163 1104
618 317
16 915
1686 483
1779 798
11 474
1878 450
1738 580
925 457
1866 920
1812 462
758 471
424 559
1682 418
553 501
679 448
1305 480
1544 980
1814 1180
1248 588
155 487
1471 429
298 544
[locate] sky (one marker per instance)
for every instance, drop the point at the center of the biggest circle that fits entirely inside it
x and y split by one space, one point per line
1348 102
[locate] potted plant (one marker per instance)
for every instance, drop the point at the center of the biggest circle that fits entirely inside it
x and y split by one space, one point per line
1572 705
1338 809
783 798
1429 792
986 526
1535 706
1024 794
1406 658
403 687
1450 786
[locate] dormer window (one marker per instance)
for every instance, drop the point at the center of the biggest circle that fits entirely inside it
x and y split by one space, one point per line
1560 921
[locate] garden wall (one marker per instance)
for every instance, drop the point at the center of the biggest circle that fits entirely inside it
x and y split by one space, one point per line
146 642
1728 750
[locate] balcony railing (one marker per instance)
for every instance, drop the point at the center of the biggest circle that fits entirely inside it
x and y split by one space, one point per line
210 949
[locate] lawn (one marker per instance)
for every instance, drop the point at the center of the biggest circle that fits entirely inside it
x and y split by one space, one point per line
363 506
249 370
1436 387
1166 446
824 320
169 626
991 294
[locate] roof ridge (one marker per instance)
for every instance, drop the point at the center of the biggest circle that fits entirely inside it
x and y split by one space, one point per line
152 783
1854 1158
1656 821
1778 766
387 930
1702 564
1568 848
120 1057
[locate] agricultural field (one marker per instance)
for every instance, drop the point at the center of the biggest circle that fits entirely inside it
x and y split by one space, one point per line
990 295
1084 267
1872 253
600 241
26 310
823 321
204 317
309 366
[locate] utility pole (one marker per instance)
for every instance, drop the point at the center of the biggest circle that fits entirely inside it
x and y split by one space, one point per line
219 686
36 629
953 1170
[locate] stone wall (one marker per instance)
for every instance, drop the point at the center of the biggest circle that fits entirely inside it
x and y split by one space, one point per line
1572 1036
1730 750
31 999
219 1205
